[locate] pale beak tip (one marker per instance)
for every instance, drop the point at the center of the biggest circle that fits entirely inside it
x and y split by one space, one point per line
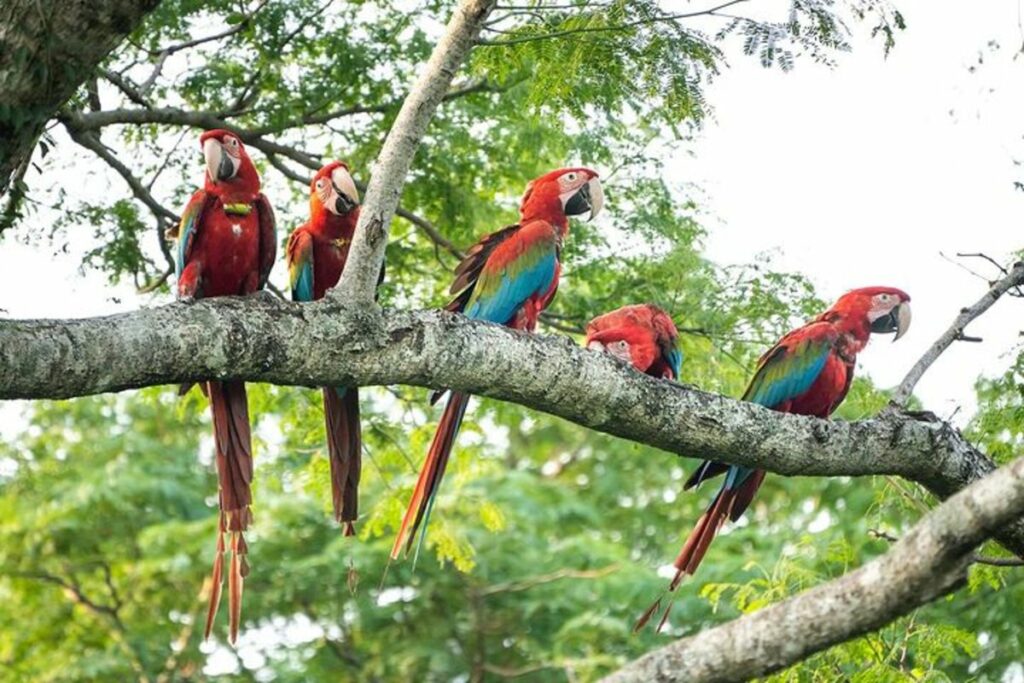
903 318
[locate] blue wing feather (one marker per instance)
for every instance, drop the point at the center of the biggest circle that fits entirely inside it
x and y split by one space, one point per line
675 361
514 290
187 228
302 286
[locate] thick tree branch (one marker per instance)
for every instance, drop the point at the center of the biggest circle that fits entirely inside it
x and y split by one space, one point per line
47 49
333 343
1014 278
926 564
366 254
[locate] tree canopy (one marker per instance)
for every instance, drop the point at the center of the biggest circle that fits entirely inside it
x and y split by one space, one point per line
547 538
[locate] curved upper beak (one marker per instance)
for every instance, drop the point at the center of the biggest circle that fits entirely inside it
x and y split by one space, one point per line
595 345
897 320
219 164
589 197
347 196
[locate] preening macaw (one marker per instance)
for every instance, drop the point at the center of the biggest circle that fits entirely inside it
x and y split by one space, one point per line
317 251
226 247
642 335
508 277
808 372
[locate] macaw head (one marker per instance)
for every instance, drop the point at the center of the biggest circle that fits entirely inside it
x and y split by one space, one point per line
881 310
642 335
226 159
333 189
562 193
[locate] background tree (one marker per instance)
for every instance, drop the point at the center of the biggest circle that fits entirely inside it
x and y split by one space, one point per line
547 535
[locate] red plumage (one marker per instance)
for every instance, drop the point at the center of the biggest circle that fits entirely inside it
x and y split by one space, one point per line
227 247
808 372
509 277
318 250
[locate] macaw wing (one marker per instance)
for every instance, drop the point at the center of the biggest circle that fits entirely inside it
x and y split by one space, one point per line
189 225
524 265
268 238
785 372
674 359
468 271
790 368
300 265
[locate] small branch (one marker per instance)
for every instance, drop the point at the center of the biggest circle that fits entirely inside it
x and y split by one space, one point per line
165 52
605 29
313 118
534 581
929 562
74 592
997 561
1014 278
89 141
128 89
366 255
431 231
15 197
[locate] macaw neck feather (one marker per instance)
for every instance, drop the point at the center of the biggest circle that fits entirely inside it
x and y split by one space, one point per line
331 225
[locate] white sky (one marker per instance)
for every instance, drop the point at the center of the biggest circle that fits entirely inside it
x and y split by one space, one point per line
865 174
855 176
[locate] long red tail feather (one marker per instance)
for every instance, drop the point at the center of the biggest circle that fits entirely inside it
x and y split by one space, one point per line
727 504
431 472
345 446
233 441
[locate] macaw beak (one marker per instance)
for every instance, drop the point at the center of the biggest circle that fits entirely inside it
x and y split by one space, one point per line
219 164
346 194
590 198
897 320
595 345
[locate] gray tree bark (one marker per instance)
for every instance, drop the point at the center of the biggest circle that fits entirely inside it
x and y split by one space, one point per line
366 254
926 564
47 49
329 343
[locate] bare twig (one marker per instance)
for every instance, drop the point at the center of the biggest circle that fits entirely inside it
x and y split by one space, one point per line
88 140
711 11
997 561
1014 278
130 90
534 581
226 33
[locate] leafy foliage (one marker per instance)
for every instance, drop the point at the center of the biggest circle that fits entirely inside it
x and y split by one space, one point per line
547 538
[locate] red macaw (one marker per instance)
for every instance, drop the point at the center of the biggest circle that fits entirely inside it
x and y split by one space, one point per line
317 251
508 277
226 247
808 372
642 335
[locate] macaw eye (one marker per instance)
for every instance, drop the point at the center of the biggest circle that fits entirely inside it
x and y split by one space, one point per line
622 345
571 176
233 142
320 184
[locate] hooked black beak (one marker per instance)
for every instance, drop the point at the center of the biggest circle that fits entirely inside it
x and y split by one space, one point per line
344 203
897 320
219 165
589 197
